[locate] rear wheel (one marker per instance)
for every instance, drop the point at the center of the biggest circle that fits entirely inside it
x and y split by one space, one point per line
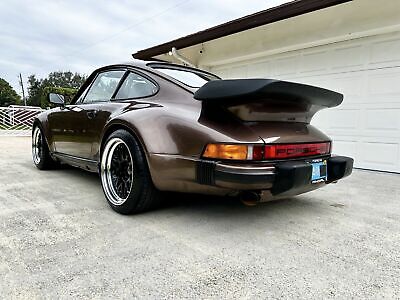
40 151
125 176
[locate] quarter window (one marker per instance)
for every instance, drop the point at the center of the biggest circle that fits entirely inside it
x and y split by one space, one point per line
136 86
103 87
191 79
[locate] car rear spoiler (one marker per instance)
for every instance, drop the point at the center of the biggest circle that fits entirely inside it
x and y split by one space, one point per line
236 91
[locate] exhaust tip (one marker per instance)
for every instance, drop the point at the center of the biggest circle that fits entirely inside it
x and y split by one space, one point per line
250 198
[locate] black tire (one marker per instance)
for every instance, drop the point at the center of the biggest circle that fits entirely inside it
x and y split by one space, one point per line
125 176
40 150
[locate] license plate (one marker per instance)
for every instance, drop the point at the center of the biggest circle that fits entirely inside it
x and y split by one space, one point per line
318 171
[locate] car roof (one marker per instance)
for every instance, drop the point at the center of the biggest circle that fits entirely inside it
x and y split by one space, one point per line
141 64
146 65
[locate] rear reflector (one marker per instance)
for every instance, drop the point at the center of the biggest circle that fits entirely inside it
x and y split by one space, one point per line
282 151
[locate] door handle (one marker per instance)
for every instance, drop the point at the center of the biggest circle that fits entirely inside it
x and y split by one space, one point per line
92 114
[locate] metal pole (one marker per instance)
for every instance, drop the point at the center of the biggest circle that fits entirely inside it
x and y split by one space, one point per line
22 87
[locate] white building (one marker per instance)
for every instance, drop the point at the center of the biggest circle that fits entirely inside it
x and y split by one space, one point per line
349 46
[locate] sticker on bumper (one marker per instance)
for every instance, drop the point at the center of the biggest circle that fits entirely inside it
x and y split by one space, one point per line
319 173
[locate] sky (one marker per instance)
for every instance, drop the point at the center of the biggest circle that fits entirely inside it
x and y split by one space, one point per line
38 37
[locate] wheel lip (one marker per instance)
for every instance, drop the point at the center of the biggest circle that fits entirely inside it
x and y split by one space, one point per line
36 140
105 172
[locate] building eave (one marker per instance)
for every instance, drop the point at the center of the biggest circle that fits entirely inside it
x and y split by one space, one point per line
275 14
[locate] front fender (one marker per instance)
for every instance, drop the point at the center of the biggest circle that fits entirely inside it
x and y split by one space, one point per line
42 121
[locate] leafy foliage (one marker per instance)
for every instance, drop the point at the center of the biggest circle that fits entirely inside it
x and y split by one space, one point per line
64 83
8 96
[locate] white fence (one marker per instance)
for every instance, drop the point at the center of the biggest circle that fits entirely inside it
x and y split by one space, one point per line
17 120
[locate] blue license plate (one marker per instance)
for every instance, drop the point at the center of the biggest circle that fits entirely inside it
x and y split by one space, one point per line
319 173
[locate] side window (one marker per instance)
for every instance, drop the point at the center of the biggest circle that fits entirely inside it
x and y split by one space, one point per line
103 87
136 86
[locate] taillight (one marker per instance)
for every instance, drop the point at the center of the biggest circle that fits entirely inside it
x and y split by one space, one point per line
282 151
224 151
261 152
234 151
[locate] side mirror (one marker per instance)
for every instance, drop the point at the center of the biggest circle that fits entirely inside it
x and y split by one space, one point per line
56 99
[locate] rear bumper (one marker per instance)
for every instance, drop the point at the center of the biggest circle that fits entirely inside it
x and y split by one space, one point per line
279 178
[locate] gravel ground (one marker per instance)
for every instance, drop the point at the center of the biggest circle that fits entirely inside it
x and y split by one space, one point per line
59 239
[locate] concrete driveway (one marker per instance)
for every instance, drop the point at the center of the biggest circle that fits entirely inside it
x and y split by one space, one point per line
59 238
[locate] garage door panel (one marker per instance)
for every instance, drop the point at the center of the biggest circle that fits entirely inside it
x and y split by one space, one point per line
344 119
349 86
313 62
343 147
285 66
384 83
385 51
261 69
376 154
321 120
347 58
383 119
238 72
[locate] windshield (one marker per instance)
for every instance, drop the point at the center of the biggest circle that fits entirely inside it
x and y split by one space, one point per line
191 78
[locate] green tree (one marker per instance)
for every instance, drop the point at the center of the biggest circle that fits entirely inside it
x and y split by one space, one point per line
8 96
34 91
65 83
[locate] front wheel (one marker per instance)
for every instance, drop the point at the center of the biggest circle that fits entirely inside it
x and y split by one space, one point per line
125 177
40 151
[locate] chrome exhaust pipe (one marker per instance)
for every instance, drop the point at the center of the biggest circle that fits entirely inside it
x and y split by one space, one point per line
250 198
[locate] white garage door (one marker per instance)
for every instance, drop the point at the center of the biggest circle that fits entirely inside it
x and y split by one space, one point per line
367 71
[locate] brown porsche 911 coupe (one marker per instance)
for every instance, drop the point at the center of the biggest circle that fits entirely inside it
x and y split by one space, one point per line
149 127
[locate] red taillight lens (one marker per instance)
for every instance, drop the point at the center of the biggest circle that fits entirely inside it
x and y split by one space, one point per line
282 151
260 152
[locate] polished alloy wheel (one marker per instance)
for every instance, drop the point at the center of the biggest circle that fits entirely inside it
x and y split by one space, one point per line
117 171
37 146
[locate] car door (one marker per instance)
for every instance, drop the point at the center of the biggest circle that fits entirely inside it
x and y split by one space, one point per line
68 130
73 127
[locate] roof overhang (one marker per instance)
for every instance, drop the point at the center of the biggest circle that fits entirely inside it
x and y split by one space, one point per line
272 15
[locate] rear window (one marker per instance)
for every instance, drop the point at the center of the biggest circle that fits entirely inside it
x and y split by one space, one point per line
191 78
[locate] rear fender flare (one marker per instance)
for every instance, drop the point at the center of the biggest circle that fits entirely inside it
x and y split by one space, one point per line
117 124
